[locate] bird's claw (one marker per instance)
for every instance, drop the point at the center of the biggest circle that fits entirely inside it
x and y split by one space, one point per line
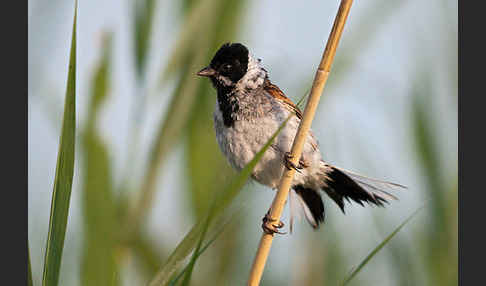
288 163
269 227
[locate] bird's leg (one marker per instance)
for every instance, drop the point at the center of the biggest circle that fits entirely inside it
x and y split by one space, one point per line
268 225
288 163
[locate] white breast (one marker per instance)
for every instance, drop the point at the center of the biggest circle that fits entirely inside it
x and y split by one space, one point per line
241 142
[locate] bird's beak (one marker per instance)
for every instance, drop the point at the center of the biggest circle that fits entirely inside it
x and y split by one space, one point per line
207 71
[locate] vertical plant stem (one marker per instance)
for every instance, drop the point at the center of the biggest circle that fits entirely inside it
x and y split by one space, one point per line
296 151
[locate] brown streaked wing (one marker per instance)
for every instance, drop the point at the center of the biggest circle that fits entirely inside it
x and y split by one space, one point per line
274 91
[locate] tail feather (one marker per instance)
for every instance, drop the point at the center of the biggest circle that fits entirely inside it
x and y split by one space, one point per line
311 203
374 185
341 184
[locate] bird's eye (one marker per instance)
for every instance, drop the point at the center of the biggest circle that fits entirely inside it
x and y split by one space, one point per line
226 67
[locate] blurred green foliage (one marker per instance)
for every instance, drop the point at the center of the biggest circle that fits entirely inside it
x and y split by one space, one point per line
440 241
99 209
144 15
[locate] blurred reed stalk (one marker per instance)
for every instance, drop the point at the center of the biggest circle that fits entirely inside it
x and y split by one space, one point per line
320 80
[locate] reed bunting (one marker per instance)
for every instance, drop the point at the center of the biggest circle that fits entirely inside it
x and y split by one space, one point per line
249 110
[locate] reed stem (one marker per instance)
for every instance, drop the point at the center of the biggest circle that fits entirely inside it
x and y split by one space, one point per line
296 151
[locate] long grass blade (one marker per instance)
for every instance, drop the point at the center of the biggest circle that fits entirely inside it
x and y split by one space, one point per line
222 202
378 248
29 268
144 15
200 251
99 209
195 256
64 175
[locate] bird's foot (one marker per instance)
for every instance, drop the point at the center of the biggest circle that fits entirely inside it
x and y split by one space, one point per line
269 226
288 163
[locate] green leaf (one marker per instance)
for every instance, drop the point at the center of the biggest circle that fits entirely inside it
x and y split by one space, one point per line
148 254
64 176
200 251
378 248
29 268
144 14
177 257
195 256
222 201
98 201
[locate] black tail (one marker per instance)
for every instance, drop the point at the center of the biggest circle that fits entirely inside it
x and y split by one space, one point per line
315 207
339 186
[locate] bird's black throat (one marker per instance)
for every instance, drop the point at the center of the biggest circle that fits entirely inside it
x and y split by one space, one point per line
228 104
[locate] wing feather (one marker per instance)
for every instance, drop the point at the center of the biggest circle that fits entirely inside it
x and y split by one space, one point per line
279 95
276 93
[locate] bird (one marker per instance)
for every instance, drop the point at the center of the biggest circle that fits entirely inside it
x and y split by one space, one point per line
249 110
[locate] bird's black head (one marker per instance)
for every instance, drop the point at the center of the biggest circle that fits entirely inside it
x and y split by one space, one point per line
228 65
